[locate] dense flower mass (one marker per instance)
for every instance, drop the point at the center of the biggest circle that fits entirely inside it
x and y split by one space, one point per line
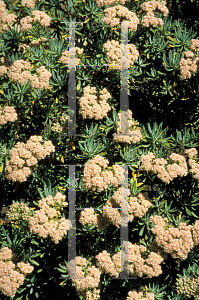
37 16
28 3
7 114
167 172
20 71
136 207
189 65
150 18
23 156
47 221
11 279
6 18
17 211
127 131
157 166
121 11
176 241
91 106
187 286
114 52
138 266
97 179
65 57
89 278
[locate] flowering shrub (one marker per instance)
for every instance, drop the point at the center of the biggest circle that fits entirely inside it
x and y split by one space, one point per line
12 275
66 200
46 220
8 114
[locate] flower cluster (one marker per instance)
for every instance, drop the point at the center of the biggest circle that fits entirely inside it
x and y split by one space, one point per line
89 278
194 167
97 179
176 241
38 16
195 233
65 56
189 65
17 211
26 155
121 11
91 106
61 124
47 221
187 286
134 295
8 114
138 266
88 216
137 207
114 52
28 3
150 7
5 18
127 126
157 166
19 71
41 82
108 2
11 279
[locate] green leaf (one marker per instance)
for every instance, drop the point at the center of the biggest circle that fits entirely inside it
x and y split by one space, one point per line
141 231
34 262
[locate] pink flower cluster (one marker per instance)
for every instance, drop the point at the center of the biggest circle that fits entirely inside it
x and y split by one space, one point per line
17 211
28 3
134 295
121 11
60 124
65 56
137 207
89 278
194 167
19 71
6 64
189 65
195 233
138 266
6 18
108 2
97 179
47 221
150 7
88 216
187 286
157 166
38 16
128 127
11 279
114 52
91 106
26 155
176 241
8 114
